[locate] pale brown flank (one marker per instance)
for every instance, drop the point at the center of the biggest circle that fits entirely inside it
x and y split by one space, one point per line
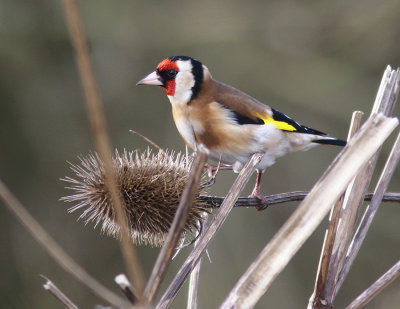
211 122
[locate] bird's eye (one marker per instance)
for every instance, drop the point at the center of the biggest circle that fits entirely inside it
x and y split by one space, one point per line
172 73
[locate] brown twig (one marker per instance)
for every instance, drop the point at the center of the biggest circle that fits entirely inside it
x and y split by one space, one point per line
210 232
276 199
365 297
98 125
55 251
278 252
58 294
174 234
146 139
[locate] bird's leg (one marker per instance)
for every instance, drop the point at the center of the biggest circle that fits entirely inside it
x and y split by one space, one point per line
256 193
213 170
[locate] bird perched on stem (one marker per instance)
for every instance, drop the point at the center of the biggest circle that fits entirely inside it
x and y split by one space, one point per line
229 123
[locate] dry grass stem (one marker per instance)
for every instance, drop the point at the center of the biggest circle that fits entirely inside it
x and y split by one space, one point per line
98 125
178 225
55 251
275 256
58 294
208 235
364 298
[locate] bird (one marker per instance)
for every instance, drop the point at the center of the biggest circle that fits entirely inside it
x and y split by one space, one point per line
228 123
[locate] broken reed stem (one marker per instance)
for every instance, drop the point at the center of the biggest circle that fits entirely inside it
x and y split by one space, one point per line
324 282
209 233
122 281
365 297
98 125
278 252
384 103
178 224
58 294
317 299
325 292
56 251
371 210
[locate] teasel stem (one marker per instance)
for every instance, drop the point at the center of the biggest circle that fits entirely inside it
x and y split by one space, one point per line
98 125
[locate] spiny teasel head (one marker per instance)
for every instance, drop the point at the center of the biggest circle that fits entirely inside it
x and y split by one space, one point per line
151 185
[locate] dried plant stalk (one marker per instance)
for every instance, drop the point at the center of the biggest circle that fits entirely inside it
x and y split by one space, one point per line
327 283
364 298
275 256
58 294
323 285
371 210
98 125
193 289
208 235
56 251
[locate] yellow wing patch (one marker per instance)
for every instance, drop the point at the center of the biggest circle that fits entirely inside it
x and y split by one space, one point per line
281 125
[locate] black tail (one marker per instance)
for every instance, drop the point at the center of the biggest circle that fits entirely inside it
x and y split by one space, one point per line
328 141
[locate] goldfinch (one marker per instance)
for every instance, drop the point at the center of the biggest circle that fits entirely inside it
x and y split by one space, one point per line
230 124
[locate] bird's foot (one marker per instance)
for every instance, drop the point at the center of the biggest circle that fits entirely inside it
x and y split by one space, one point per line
264 204
212 172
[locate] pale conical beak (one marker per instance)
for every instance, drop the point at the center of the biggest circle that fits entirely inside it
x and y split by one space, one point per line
152 79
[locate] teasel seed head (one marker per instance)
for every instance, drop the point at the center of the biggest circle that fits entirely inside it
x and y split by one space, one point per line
150 184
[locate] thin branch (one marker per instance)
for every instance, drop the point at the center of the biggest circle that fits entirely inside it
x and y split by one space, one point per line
122 281
210 232
98 125
146 139
281 198
55 251
178 224
58 294
364 298
370 212
305 219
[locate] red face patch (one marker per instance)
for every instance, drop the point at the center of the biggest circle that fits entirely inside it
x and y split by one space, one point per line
164 66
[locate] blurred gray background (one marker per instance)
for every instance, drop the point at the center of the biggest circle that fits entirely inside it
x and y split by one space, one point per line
316 61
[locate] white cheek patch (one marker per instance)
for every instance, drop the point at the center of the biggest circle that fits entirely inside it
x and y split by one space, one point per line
184 82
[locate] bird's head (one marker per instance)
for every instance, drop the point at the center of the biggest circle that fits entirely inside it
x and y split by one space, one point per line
181 77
